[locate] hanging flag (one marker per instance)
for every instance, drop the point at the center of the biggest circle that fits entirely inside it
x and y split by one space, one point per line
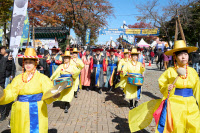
87 38
18 17
24 38
1 35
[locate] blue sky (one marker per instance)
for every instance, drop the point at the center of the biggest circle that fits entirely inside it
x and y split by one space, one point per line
124 10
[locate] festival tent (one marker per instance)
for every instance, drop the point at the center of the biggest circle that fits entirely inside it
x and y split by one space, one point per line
154 43
142 43
111 43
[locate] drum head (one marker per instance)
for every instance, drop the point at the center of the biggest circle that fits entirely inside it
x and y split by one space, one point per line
1 92
54 90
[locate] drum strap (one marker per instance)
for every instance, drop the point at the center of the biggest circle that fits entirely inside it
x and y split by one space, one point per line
33 109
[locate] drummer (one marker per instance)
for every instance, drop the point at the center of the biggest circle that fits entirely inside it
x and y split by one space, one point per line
121 64
179 113
80 65
66 71
136 68
29 112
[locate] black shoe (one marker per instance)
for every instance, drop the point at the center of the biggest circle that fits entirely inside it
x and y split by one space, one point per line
136 103
66 109
88 89
3 114
123 95
131 104
131 108
100 91
75 94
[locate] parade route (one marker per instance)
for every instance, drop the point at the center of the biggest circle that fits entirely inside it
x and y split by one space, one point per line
95 113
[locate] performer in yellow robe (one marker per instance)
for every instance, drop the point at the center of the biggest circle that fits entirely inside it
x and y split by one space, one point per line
80 65
66 70
136 68
121 64
180 113
29 112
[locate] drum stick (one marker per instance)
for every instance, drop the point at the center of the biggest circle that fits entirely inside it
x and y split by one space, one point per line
175 80
181 72
75 62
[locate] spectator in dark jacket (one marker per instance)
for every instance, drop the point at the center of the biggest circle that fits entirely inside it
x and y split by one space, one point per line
10 74
159 54
195 60
6 64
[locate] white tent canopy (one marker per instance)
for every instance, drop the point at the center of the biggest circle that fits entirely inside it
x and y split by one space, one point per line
113 43
142 43
153 43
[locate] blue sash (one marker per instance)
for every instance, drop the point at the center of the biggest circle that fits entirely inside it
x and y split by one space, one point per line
98 66
33 109
138 87
51 67
185 92
66 75
112 67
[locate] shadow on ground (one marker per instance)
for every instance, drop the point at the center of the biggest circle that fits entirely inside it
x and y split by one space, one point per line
117 98
49 131
149 94
123 126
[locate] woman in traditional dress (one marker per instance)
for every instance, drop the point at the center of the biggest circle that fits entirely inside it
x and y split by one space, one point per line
178 110
121 64
29 112
86 71
54 60
98 66
111 62
64 71
80 65
136 68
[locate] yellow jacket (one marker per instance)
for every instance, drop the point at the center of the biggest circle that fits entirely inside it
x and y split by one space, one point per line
20 113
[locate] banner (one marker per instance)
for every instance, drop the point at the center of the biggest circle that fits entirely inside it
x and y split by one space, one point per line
87 37
18 17
1 35
24 38
108 31
135 31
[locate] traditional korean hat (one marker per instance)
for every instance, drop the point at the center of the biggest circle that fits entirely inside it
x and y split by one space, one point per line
134 51
97 49
30 54
67 54
54 48
180 45
112 50
75 50
126 51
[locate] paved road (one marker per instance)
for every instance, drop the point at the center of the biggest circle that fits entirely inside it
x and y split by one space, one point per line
95 113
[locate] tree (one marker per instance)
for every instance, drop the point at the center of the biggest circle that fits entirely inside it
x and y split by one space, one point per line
5 15
90 15
141 25
159 16
43 13
77 14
